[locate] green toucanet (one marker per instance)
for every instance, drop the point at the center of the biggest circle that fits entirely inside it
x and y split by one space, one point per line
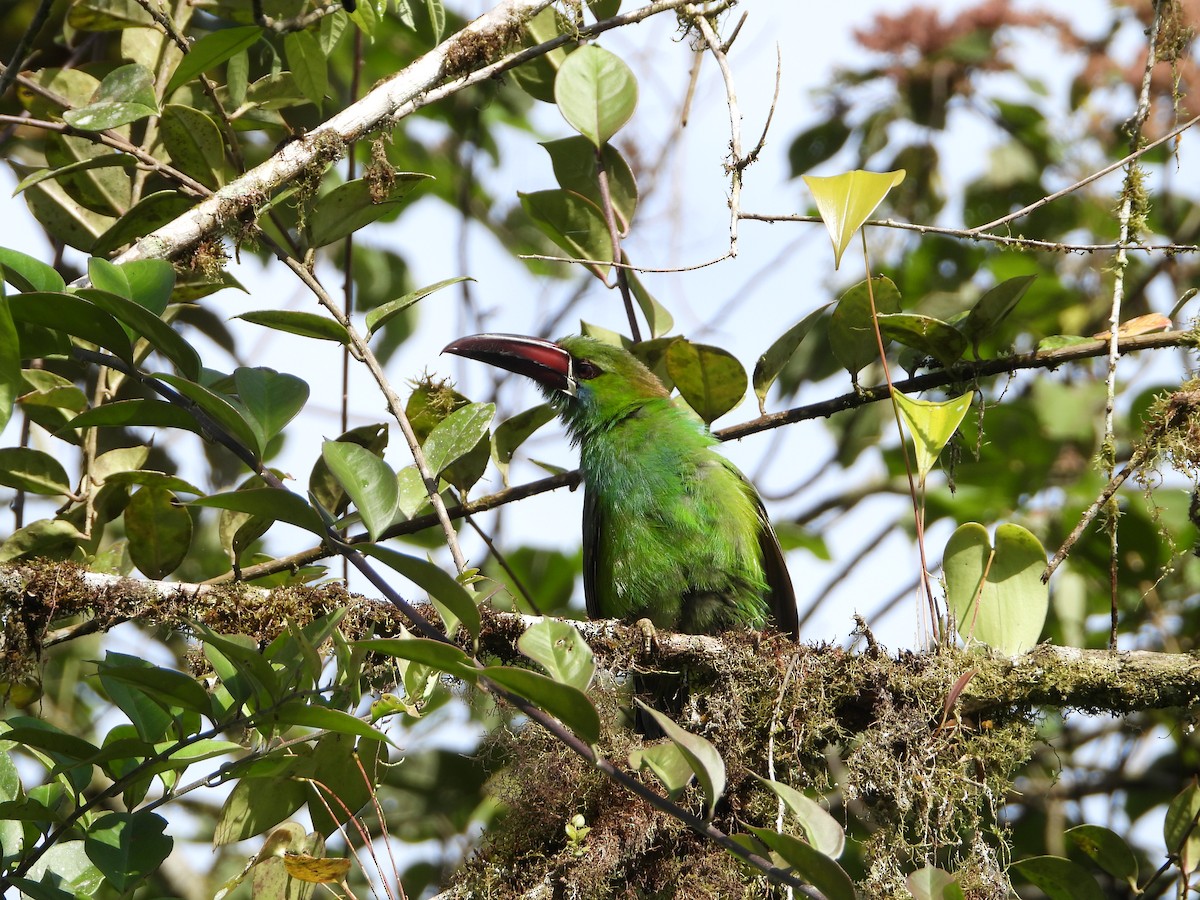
672 531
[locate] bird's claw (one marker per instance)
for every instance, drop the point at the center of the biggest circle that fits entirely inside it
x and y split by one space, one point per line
649 635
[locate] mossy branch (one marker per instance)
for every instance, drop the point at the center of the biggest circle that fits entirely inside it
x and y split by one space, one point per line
56 602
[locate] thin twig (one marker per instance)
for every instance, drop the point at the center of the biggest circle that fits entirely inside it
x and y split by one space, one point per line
973 235
614 237
1130 188
1050 198
734 167
918 515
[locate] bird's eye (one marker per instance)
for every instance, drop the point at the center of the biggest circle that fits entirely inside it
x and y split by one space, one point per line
586 370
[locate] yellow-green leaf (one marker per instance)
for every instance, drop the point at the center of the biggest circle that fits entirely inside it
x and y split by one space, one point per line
931 423
846 201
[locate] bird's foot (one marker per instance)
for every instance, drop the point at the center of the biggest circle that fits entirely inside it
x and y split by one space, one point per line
649 635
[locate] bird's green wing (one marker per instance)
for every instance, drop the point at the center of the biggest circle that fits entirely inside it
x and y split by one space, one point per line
593 536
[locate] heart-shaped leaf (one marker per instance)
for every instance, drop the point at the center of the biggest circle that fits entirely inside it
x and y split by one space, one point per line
710 379
846 201
931 423
996 593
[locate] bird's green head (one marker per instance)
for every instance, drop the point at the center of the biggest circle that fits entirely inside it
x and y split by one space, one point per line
590 383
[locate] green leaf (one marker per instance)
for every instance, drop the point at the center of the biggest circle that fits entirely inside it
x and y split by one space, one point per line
381 315
668 764
710 379
821 830
809 864
308 64
255 805
106 276
1108 850
574 223
105 161
305 324
993 308
39 387
368 480
1059 879
151 283
931 423
851 332
560 649
166 686
10 362
148 214
511 433
925 334
453 601
63 873
124 413
273 504
932 883
456 435
145 323
536 77
845 201
574 162
218 408
127 847
771 363
194 143
46 537
815 145
595 92
181 757
1005 609
569 705
151 720
271 399
40 735
702 756
350 206
1061 341
159 531
323 487
212 50
32 470
66 218
435 654
412 493
125 95
1180 832
351 771
604 9
240 666
75 316
108 15
298 712
428 20
27 273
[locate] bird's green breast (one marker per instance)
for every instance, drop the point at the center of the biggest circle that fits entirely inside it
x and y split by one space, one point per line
677 540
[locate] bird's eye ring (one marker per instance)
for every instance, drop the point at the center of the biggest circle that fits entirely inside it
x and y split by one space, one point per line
586 369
